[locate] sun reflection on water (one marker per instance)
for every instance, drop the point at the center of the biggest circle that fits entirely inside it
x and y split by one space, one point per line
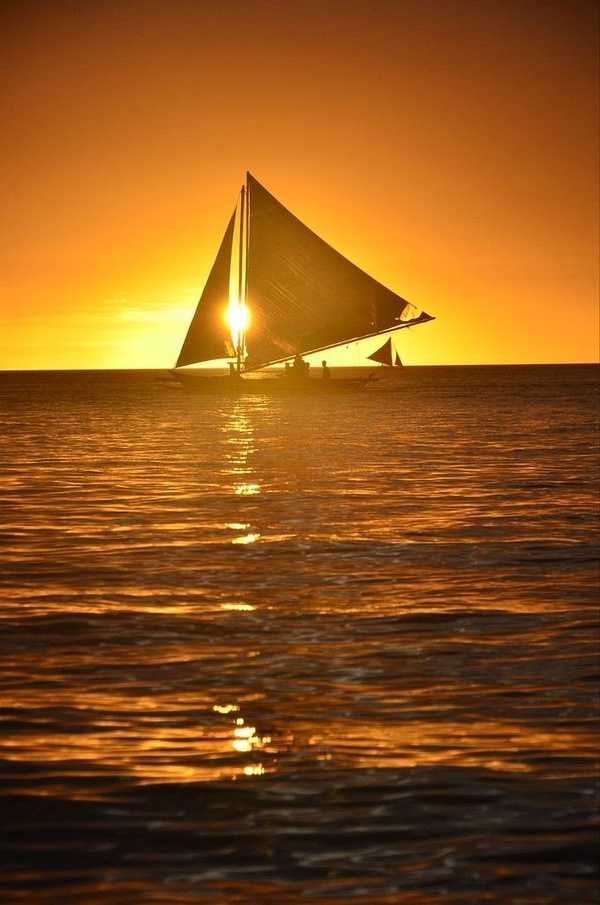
246 539
238 607
245 738
247 489
240 446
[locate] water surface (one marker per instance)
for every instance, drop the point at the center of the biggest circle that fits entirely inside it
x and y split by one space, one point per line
283 650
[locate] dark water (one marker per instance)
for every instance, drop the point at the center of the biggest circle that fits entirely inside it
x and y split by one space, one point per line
275 651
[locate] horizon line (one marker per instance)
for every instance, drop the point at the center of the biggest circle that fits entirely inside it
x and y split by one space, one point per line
499 364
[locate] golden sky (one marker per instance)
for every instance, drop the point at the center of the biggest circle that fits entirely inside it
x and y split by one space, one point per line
448 147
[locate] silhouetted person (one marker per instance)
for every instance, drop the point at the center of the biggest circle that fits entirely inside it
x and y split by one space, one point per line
300 367
324 369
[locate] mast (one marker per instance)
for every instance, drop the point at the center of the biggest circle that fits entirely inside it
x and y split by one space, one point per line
247 241
240 333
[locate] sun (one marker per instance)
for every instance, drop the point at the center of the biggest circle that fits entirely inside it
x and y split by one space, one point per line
238 318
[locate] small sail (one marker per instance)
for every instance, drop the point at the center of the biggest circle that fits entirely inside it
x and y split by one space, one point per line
387 354
304 295
383 355
208 336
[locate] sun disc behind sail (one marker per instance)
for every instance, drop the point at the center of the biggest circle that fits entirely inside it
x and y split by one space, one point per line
238 318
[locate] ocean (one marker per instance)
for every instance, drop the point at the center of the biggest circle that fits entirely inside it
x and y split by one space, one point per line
324 650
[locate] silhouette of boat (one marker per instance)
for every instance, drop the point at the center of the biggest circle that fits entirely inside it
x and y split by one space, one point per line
387 355
276 290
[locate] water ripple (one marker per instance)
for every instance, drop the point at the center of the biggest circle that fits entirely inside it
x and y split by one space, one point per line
341 649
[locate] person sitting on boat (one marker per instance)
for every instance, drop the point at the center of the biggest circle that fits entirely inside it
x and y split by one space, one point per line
300 367
325 370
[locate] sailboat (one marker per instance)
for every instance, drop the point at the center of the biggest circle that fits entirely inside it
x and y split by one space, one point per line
277 291
387 355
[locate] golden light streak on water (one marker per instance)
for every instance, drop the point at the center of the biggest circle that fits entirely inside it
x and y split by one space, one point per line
247 489
239 607
246 539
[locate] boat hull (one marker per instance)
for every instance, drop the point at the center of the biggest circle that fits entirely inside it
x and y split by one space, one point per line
267 386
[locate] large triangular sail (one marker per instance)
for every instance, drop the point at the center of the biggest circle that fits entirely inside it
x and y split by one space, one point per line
303 295
208 336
